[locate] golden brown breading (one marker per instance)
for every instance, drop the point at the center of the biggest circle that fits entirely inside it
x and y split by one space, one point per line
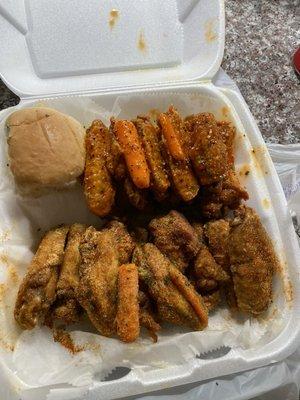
253 262
177 301
127 319
37 291
66 307
102 252
98 189
206 267
208 151
176 238
217 234
98 253
183 180
149 135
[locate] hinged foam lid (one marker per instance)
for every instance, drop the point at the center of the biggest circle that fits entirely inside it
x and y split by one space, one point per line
79 46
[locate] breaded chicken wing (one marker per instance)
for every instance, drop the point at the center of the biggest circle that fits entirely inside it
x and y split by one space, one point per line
102 252
66 308
175 238
98 188
208 151
176 300
147 319
253 262
37 291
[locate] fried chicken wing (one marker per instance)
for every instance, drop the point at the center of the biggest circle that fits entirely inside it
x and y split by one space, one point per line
253 262
102 252
183 179
98 188
208 271
208 151
149 135
177 301
176 238
66 307
127 319
37 291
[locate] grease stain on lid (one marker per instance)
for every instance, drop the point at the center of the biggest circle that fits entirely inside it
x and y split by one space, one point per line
141 43
209 31
113 17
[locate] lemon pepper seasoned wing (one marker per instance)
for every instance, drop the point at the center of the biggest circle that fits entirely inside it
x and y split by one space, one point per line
176 300
174 136
175 238
102 252
37 291
208 151
147 319
252 262
149 135
66 307
98 189
127 319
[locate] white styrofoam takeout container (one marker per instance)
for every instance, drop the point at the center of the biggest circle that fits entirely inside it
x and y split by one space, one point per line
51 50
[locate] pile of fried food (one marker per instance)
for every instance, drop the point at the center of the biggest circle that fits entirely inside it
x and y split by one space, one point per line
162 160
171 270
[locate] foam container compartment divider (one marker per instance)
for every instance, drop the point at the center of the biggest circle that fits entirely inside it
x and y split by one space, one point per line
162 86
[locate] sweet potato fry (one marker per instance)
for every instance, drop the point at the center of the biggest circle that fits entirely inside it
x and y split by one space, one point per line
171 136
129 141
127 319
98 189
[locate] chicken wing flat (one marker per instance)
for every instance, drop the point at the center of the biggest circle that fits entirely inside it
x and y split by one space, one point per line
37 291
175 238
173 138
66 308
253 262
102 252
98 189
127 319
208 151
176 300
149 135
212 300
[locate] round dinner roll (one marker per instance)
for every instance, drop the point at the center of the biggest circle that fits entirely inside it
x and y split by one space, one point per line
46 147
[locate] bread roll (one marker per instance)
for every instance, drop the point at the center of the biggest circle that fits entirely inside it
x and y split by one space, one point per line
45 147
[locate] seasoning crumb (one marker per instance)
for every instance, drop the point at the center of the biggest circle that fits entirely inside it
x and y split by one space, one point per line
142 46
64 338
247 173
113 17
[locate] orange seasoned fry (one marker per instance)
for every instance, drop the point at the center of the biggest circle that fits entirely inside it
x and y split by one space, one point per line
186 289
129 141
172 137
98 189
127 319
